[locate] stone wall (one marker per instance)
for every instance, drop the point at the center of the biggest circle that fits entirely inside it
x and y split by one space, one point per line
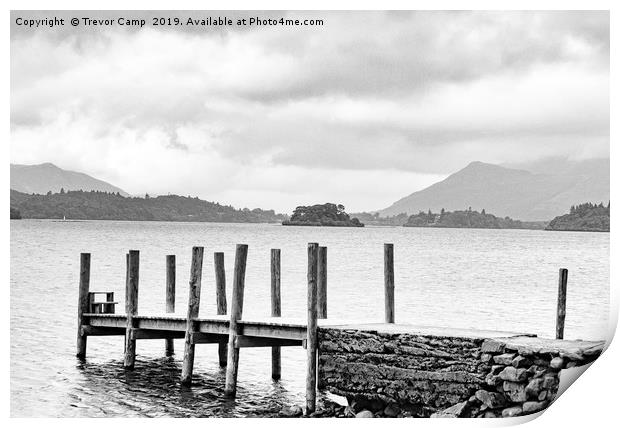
407 374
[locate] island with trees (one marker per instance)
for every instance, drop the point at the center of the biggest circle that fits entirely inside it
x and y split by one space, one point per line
585 217
100 205
469 219
322 215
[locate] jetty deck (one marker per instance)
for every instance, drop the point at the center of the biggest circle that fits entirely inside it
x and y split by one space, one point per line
231 331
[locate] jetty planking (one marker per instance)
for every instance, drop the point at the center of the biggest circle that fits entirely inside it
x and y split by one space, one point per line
231 331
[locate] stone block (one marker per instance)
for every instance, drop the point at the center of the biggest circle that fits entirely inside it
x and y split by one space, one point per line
513 374
534 406
492 400
504 359
534 387
515 391
491 346
521 362
557 363
511 412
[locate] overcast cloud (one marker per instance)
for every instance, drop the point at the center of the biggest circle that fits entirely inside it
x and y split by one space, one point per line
363 110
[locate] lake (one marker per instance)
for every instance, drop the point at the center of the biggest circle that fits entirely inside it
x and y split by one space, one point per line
468 278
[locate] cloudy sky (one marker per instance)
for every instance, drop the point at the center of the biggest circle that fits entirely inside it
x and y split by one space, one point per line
362 110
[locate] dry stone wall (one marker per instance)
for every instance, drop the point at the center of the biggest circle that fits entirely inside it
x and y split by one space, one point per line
401 374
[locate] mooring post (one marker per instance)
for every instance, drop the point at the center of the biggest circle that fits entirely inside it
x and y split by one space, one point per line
276 311
193 308
311 344
388 274
561 316
171 275
131 307
220 296
236 311
83 302
126 288
322 283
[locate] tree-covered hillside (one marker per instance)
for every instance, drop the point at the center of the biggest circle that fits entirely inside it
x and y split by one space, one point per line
583 217
97 205
468 219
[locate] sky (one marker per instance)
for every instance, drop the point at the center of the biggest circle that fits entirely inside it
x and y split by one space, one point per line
362 110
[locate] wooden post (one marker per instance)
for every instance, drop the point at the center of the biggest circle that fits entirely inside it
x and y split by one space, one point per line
171 278
311 345
388 274
193 308
561 316
131 307
220 296
322 283
276 311
236 311
83 302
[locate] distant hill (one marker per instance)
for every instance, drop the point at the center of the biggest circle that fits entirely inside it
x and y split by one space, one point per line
322 215
583 217
96 205
511 192
47 177
468 219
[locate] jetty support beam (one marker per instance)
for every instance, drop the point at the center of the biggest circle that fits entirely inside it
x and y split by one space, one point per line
193 308
131 307
220 296
83 302
171 274
236 311
276 311
311 345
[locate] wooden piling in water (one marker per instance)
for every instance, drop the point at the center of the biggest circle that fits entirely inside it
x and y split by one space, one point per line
322 283
171 275
83 302
276 311
388 274
193 308
312 338
220 296
561 314
131 307
236 311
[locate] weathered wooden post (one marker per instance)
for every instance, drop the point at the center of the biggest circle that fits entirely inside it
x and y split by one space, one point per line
83 302
193 308
171 275
311 345
388 274
322 283
131 307
236 311
220 296
276 311
561 316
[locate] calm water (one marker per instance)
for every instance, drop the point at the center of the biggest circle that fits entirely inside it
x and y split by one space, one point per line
487 279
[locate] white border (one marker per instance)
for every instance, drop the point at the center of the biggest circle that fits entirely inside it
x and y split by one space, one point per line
591 401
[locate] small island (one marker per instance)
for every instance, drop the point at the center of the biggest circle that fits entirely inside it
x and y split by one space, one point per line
322 215
586 217
469 219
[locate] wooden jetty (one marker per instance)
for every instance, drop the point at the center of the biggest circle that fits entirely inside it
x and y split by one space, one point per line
228 328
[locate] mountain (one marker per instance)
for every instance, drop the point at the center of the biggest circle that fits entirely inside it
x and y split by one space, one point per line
47 177
98 205
512 192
